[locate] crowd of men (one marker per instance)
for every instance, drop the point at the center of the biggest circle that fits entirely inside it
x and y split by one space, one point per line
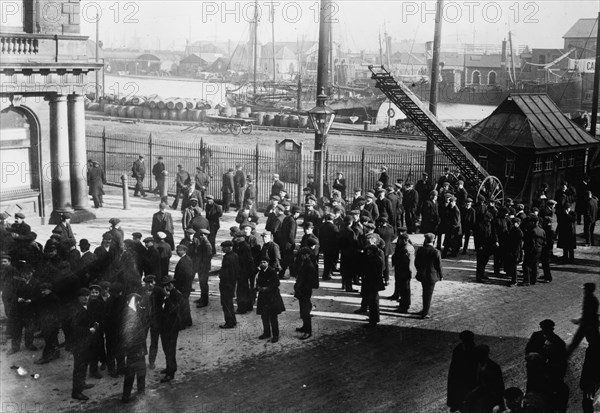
476 384
107 301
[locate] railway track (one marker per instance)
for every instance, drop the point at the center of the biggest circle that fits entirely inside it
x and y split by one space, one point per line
193 125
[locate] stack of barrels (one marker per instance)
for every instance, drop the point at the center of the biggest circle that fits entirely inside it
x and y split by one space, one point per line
192 110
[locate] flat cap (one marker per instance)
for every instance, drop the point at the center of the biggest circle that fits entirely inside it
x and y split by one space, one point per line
20 215
204 231
3 215
137 235
190 231
66 215
95 287
193 199
210 197
107 236
148 239
149 278
547 323
104 284
370 195
275 197
114 221
308 224
168 279
296 209
226 244
266 233
357 189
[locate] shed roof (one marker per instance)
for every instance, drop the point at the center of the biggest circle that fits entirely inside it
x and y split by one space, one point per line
193 59
528 121
583 28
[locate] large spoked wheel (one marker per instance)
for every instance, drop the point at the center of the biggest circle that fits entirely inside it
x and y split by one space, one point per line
491 189
235 129
247 129
223 128
213 128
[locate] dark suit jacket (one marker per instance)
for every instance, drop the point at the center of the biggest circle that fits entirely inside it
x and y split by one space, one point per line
139 169
328 238
429 264
287 234
228 184
184 275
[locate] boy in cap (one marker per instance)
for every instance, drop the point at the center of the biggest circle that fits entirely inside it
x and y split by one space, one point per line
230 268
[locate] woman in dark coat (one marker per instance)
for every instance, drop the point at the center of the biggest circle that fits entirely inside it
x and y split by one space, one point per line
566 233
269 304
307 278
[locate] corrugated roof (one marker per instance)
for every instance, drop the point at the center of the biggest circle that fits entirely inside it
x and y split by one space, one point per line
583 28
528 121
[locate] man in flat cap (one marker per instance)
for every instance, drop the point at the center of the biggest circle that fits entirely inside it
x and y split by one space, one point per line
183 181
21 234
410 203
183 279
452 236
339 184
287 240
96 181
118 235
163 221
227 189
310 240
270 251
84 328
202 180
190 212
230 268
64 227
48 319
26 289
139 173
157 172
250 191
202 257
213 212
277 185
170 323
311 184
239 181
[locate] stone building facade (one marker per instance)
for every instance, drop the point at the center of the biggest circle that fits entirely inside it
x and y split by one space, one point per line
44 74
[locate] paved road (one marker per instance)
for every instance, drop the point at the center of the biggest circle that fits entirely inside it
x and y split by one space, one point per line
400 366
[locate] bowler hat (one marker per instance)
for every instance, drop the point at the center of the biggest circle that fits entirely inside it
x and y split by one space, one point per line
83 292
66 215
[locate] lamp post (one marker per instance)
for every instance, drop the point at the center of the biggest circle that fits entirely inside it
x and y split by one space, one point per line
321 117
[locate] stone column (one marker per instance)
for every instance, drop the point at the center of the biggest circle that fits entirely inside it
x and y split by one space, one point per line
77 159
59 158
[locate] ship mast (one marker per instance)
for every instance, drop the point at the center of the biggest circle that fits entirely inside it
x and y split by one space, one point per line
433 92
596 91
255 46
273 40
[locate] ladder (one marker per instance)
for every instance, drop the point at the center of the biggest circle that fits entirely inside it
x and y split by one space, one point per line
431 127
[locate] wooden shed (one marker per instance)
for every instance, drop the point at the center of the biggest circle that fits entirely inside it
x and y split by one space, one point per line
528 141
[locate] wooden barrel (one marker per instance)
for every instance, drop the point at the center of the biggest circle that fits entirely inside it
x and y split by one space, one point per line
269 119
195 115
302 121
164 114
277 120
122 112
162 104
294 121
115 110
190 104
259 116
139 111
147 113
173 115
138 100
94 106
285 121
155 113
182 114
153 103
123 101
107 109
179 104
171 104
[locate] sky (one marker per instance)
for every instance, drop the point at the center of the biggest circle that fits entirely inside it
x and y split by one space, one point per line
356 24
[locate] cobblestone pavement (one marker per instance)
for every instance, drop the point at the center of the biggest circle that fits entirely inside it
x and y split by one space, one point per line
399 366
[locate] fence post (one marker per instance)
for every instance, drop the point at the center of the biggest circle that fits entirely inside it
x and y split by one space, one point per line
104 150
362 170
299 191
150 163
256 180
325 178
